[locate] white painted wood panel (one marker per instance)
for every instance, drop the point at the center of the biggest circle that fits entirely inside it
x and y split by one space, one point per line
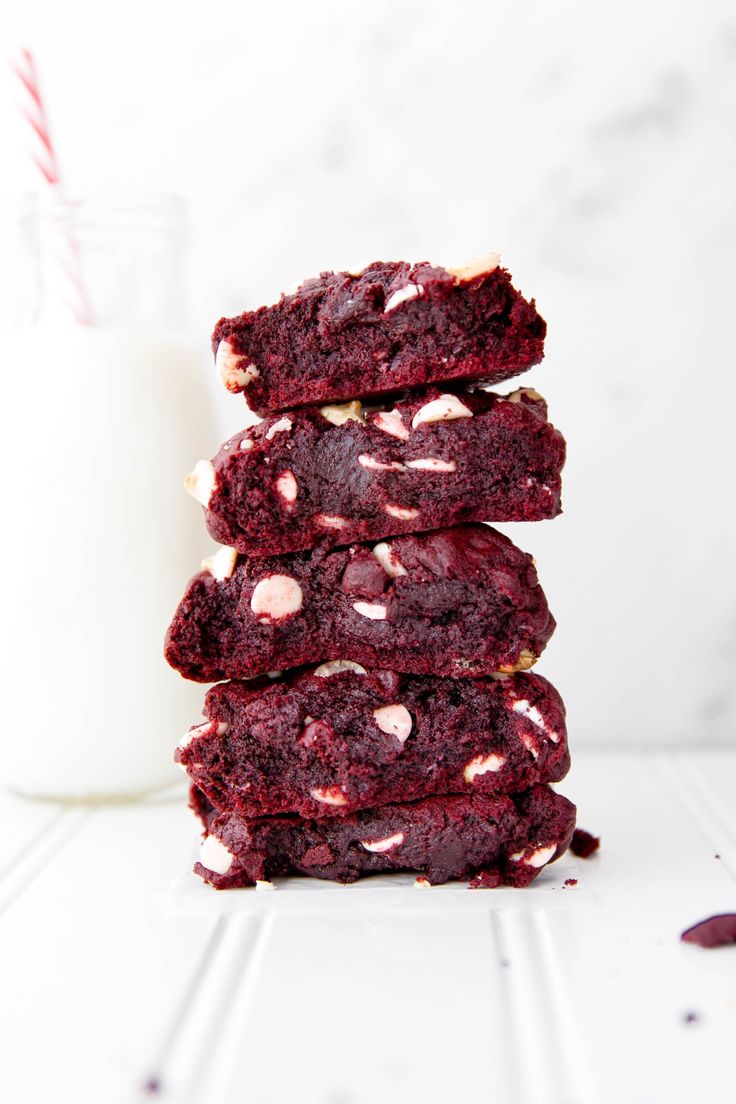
120 968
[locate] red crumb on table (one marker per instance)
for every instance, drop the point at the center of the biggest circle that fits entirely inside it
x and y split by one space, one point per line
486 879
716 931
583 843
570 881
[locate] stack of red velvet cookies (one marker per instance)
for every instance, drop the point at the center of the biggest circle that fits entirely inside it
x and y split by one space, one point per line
376 636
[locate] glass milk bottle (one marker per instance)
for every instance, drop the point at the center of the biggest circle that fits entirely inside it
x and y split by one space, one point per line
102 414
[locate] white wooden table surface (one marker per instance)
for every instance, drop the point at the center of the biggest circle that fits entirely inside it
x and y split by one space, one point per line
123 978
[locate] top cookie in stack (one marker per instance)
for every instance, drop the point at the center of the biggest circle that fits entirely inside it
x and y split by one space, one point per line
377 424
390 327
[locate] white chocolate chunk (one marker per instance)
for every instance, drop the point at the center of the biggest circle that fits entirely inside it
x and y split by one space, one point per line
541 856
214 855
373 611
444 409
335 666
200 483
402 512
246 444
390 421
479 266
402 295
235 371
276 597
331 521
287 487
516 396
329 795
222 564
283 425
482 764
264 886
377 465
340 413
395 720
379 846
384 554
432 463
521 705
530 745
209 728
422 883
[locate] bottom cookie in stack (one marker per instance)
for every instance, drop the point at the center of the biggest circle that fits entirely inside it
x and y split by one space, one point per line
336 772
493 841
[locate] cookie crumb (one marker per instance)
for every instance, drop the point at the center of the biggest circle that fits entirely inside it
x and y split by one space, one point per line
570 881
716 931
486 879
583 843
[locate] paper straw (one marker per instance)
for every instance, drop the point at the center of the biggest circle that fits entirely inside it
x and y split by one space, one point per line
63 246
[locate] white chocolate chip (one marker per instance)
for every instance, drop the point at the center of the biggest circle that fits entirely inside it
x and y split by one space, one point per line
276 597
444 409
395 720
385 556
422 883
246 444
482 764
379 846
209 728
530 745
373 611
283 425
517 856
287 487
222 564
264 886
532 713
340 413
477 267
432 463
200 483
516 396
331 521
234 369
329 795
214 855
403 295
335 666
541 856
390 421
402 512
377 465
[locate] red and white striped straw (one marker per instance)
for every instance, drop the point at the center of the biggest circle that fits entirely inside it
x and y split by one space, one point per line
63 246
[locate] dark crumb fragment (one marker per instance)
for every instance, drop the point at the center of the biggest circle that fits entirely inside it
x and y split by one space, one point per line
716 856
690 1017
486 879
583 843
570 881
151 1086
716 931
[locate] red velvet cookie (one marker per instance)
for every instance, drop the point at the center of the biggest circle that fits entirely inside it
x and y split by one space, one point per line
459 602
391 326
495 840
338 739
344 473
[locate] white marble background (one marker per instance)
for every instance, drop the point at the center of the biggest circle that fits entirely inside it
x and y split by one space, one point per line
593 145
